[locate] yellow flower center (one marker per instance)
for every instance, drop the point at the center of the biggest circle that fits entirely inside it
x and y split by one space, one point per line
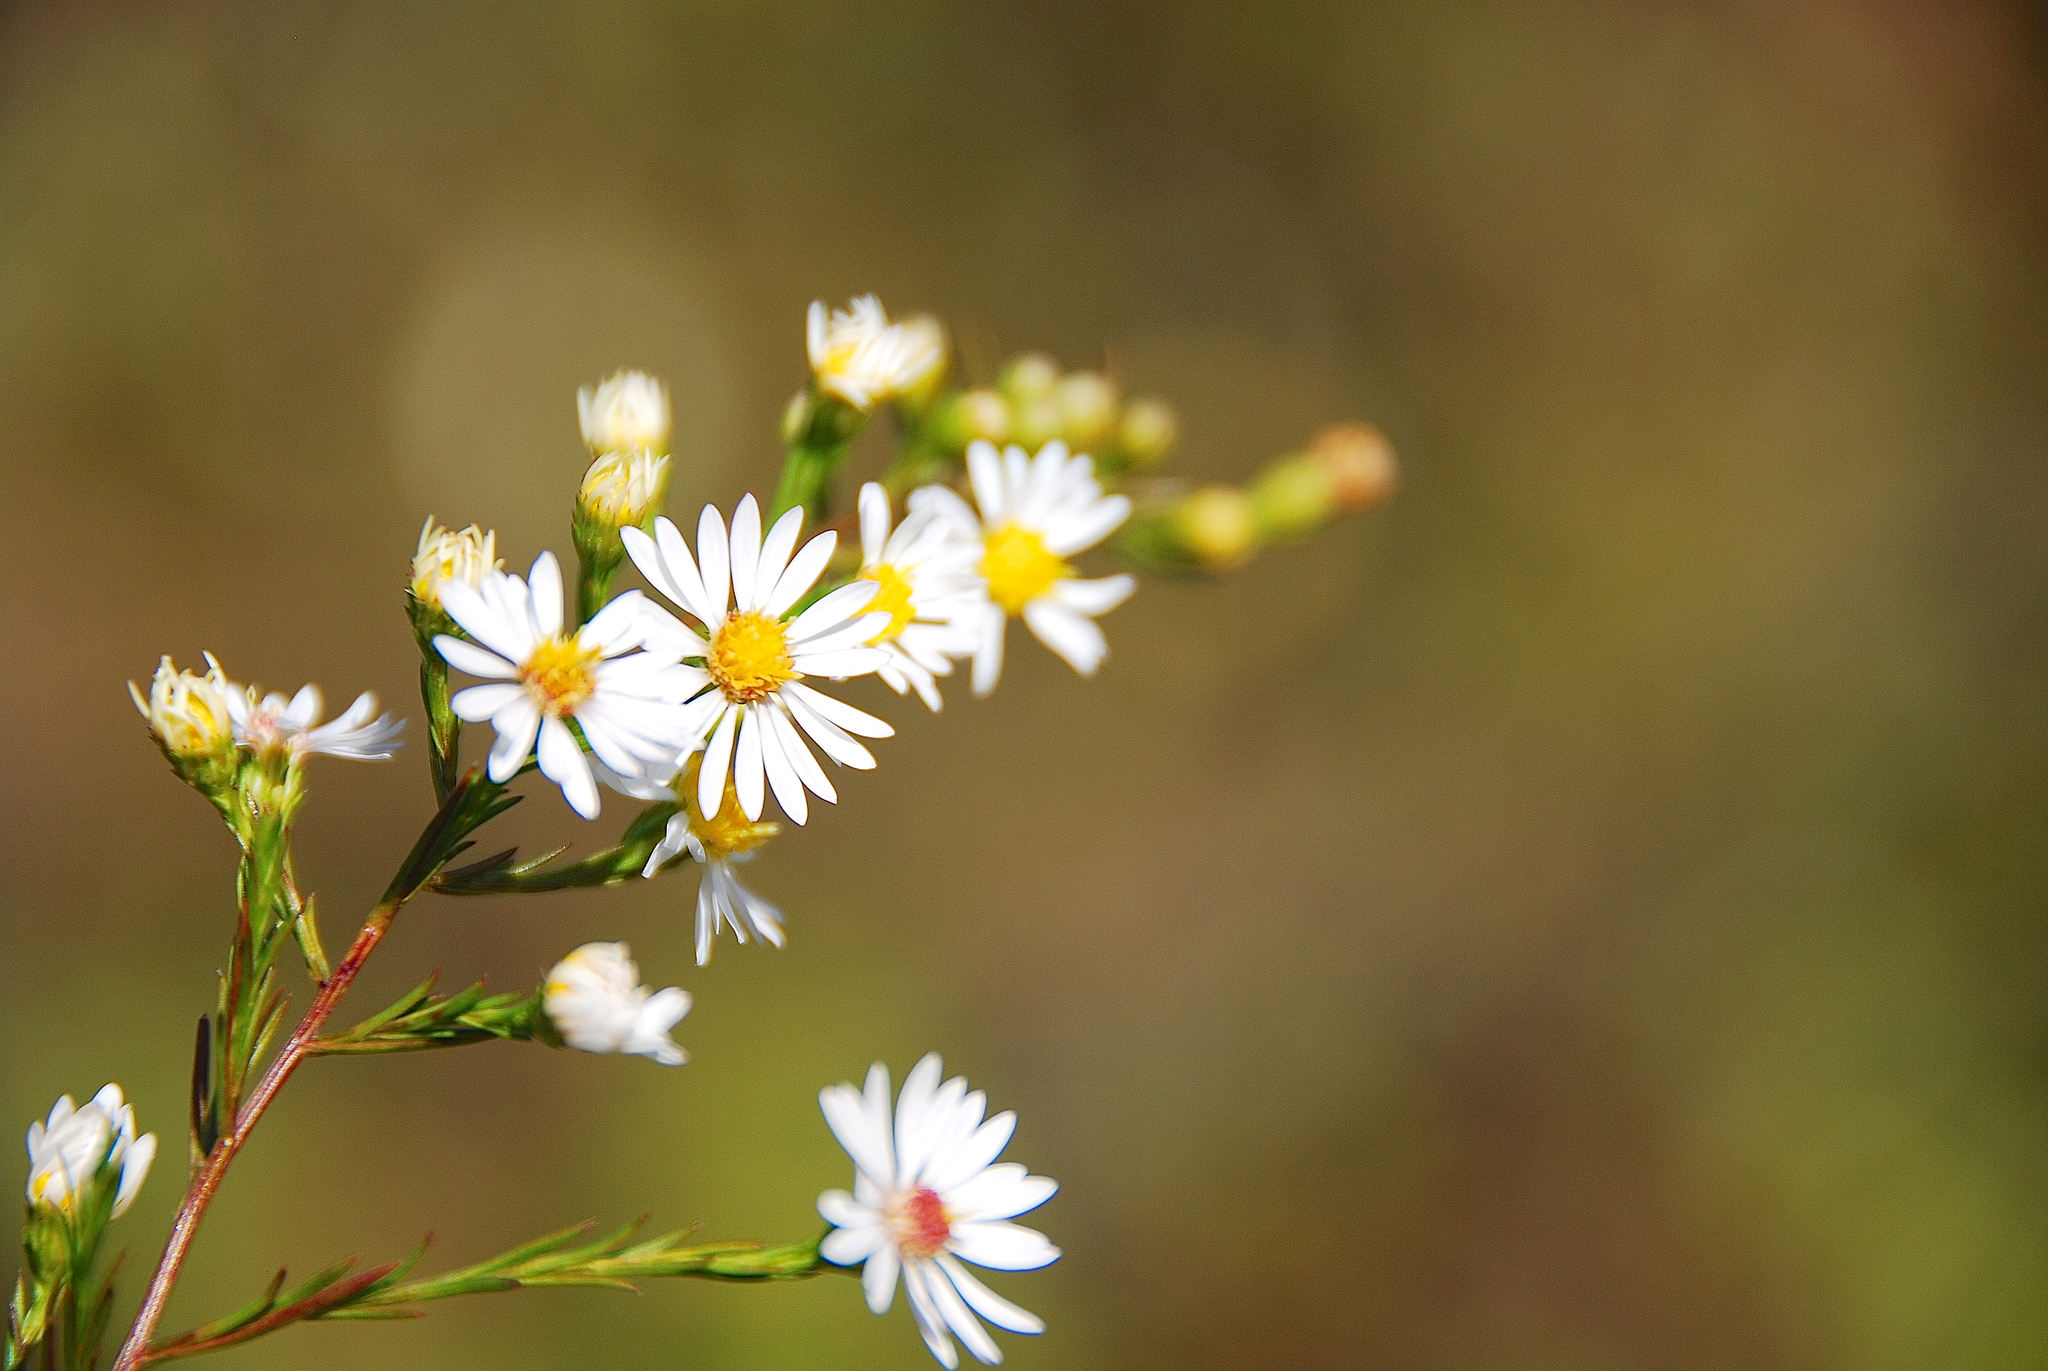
728 832
559 675
749 657
893 599
1019 568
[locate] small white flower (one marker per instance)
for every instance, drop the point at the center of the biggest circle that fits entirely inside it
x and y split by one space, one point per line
859 356
928 1195
1035 513
66 1151
755 662
626 702
929 587
596 1002
271 721
728 838
446 555
186 711
627 412
624 487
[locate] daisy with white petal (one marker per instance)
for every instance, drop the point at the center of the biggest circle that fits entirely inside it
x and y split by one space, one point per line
927 1196
626 702
187 712
1035 514
757 711
271 721
445 555
728 838
595 1000
929 588
860 357
68 1152
628 412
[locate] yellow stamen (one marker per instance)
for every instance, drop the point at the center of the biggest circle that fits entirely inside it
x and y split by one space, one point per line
559 675
749 657
728 832
893 599
1019 568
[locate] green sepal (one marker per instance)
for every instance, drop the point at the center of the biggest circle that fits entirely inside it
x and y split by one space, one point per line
418 1022
500 874
815 433
444 730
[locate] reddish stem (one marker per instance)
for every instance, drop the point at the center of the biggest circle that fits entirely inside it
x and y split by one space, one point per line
135 1351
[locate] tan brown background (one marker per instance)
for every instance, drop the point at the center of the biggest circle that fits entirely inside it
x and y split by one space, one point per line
1587 916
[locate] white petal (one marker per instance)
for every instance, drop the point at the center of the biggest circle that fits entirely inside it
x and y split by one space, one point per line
841 1210
1002 1245
844 715
746 763
516 725
850 1246
717 760
929 1322
832 610
1077 640
878 1278
957 1315
478 703
803 572
799 756
484 621
1074 533
841 665
775 550
1094 597
746 551
1001 1191
973 1152
874 522
913 1104
987 1302
828 736
714 559
544 582
988 653
782 779
561 761
985 473
854 1126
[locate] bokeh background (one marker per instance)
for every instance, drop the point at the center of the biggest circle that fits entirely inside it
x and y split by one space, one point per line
1585 915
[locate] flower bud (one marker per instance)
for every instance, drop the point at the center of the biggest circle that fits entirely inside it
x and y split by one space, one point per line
624 489
628 412
188 713
1360 464
1218 527
1147 432
1292 497
1034 423
1029 377
595 1001
1087 404
78 1151
972 415
445 555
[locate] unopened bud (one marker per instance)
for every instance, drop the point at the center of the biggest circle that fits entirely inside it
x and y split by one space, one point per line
624 489
1030 377
862 359
1034 423
1293 497
445 555
1087 402
972 415
1360 464
626 413
1147 432
1218 526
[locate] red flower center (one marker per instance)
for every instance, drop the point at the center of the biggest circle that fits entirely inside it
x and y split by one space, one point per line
919 1221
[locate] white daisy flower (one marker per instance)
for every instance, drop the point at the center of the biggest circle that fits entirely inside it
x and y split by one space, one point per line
445 555
927 1196
622 488
928 586
66 1152
268 721
859 356
596 1002
628 411
625 702
1036 512
728 838
756 661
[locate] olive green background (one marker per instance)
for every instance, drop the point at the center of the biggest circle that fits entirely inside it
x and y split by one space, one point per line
1587 915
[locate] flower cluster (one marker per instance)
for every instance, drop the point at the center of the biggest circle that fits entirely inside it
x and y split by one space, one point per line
77 1151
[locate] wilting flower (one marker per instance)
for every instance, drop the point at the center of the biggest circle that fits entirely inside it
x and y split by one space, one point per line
727 838
929 588
927 1196
445 555
1035 513
755 662
67 1152
859 356
294 724
625 701
622 488
187 712
596 1002
627 412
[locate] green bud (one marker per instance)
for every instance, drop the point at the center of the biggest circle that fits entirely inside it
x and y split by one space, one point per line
188 717
1146 432
1293 497
1087 404
1029 377
1218 527
972 415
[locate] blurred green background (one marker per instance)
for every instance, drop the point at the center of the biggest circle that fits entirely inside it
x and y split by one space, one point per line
1585 915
